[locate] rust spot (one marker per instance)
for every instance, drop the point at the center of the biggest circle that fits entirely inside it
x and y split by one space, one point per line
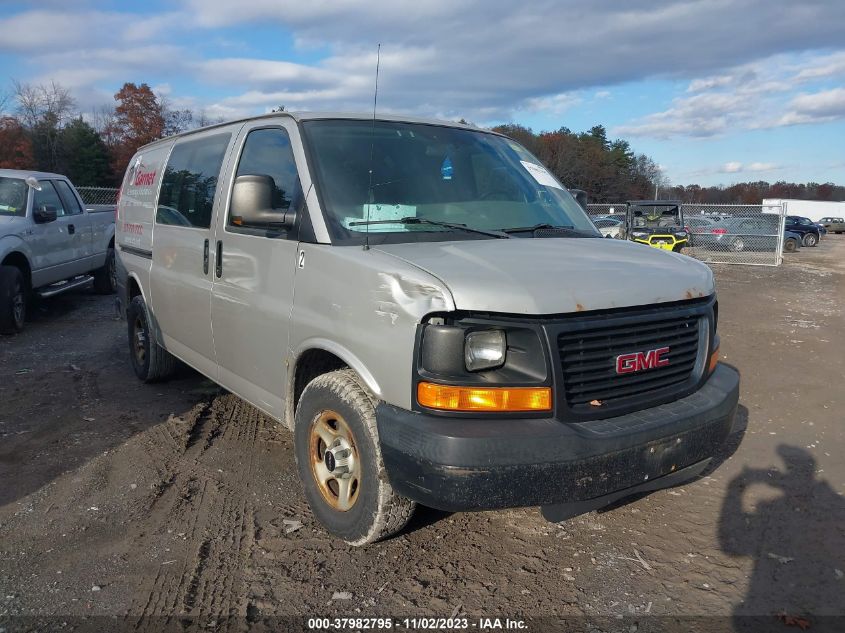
579 307
595 403
689 295
700 294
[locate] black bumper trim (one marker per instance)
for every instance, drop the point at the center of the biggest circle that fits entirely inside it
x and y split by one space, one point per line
464 464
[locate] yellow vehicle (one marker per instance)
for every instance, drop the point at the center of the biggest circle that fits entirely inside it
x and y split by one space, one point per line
657 223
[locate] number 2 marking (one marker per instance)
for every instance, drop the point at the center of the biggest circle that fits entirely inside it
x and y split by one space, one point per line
301 260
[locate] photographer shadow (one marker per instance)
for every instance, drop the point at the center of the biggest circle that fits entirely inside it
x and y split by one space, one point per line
796 538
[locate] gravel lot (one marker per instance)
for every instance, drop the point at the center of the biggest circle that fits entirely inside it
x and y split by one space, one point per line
123 499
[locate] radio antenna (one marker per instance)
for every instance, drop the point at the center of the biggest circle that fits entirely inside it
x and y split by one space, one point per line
372 146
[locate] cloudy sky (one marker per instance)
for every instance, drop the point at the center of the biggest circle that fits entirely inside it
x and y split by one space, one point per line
716 91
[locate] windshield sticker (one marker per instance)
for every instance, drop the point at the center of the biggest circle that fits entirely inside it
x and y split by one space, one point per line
541 174
381 213
446 169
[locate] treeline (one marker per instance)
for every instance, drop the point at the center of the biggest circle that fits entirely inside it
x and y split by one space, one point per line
42 129
608 170
754 192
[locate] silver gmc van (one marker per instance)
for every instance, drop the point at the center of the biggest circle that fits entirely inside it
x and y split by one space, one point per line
428 310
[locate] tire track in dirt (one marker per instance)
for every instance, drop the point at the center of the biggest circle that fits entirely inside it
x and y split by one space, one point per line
211 510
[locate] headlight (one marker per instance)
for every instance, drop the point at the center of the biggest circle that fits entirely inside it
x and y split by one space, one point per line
639 234
485 349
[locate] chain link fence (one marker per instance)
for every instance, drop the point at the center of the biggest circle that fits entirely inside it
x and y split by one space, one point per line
718 233
98 195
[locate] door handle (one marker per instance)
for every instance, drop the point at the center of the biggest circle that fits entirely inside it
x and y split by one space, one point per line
71 229
218 260
205 258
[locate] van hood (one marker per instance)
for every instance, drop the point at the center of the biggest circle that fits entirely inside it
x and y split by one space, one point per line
556 275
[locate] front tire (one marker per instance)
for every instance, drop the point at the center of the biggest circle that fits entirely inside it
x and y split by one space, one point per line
105 278
339 461
790 246
13 299
810 239
151 362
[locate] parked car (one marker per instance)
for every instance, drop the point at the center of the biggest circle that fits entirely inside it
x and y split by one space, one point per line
610 227
698 224
833 225
49 242
741 234
791 241
427 309
808 230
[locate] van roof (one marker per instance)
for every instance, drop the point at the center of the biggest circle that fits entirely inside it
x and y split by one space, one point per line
311 116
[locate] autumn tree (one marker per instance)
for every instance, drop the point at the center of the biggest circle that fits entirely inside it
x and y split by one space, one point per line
15 145
138 120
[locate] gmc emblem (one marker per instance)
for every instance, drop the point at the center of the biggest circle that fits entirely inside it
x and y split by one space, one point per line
638 361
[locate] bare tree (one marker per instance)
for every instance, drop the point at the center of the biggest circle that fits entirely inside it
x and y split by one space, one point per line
43 110
38 103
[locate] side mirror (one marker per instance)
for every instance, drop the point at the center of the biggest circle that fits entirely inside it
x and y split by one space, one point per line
252 204
45 213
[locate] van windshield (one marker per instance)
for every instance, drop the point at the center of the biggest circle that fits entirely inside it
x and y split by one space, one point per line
12 196
433 182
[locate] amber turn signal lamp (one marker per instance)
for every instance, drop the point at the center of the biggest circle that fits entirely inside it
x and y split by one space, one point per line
451 398
714 360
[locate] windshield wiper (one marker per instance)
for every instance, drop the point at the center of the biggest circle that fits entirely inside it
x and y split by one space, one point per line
545 226
449 225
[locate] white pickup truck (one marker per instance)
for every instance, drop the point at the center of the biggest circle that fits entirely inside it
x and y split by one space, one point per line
49 242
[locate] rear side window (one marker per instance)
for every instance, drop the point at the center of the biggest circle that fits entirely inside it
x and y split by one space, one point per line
189 182
71 203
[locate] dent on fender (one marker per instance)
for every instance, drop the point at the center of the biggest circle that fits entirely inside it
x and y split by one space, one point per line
397 294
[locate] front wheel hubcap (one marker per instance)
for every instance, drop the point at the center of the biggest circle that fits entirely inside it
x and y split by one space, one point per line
140 341
335 464
18 307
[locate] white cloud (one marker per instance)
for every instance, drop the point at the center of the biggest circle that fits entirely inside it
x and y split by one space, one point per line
480 59
762 167
555 104
827 105
731 168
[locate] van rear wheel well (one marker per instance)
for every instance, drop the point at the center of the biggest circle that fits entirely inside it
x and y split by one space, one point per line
133 289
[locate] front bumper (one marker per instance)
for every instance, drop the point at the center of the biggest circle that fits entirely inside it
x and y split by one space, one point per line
663 242
475 464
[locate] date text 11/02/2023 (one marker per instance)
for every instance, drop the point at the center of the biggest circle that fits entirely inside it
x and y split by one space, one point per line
417 624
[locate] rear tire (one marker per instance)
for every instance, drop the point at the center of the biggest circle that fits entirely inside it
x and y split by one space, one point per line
105 278
737 245
810 239
151 362
349 491
790 246
13 300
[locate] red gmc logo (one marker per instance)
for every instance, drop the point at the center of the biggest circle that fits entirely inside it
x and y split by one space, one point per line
638 361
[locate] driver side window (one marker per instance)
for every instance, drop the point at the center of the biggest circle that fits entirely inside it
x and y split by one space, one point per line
48 197
267 152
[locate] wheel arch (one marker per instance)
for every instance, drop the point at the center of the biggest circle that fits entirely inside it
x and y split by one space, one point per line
21 262
314 358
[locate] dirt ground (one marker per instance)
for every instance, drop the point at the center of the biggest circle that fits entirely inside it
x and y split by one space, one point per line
123 499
